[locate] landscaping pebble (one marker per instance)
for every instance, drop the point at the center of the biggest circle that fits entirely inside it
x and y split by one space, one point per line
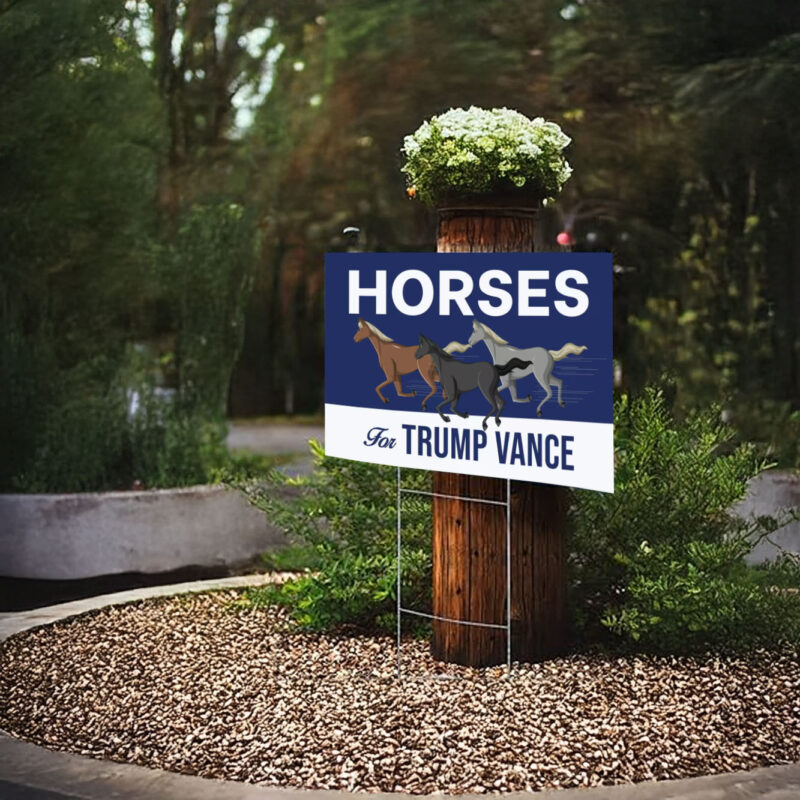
199 685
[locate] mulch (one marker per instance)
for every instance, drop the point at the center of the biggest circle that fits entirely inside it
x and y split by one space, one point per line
195 684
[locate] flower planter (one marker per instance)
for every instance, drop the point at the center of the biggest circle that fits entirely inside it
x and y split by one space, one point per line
70 536
485 155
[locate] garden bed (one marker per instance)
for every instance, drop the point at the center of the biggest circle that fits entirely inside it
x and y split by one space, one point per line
195 684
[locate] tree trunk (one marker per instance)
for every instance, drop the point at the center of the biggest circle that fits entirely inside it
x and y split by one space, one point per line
469 564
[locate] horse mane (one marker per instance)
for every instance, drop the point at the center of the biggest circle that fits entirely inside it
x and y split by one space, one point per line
382 336
491 334
444 354
440 351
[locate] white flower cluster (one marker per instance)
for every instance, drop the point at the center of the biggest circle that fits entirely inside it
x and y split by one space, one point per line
480 150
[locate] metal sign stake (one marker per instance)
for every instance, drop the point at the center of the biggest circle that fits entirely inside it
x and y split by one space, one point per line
508 577
399 567
401 610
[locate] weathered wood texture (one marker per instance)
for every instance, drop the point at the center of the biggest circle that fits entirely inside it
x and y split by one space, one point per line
469 539
488 230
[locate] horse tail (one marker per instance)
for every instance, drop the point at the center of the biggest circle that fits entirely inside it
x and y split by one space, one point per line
457 347
568 349
515 363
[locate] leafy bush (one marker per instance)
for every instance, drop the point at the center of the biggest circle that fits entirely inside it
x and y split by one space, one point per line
172 446
66 417
657 565
210 277
349 588
347 512
661 561
299 557
703 596
86 436
476 151
71 433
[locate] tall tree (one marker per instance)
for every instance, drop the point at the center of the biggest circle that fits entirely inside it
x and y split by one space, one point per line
353 78
206 56
703 176
78 145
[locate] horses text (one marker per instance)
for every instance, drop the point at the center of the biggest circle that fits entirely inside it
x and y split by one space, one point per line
413 292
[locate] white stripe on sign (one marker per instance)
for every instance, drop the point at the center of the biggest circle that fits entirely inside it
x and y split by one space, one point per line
579 454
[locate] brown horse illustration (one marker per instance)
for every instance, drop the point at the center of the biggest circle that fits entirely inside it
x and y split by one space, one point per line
397 360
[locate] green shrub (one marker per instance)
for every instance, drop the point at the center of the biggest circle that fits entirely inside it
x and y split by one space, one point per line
657 565
660 562
701 597
348 589
66 423
175 447
210 276
75 436
347 511
300 557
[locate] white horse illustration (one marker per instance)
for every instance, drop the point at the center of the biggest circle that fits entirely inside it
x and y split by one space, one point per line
541 366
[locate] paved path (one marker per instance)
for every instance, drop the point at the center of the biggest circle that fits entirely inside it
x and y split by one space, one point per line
29 772
276 439
272 439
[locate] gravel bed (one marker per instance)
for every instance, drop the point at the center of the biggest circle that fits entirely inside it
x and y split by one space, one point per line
193 684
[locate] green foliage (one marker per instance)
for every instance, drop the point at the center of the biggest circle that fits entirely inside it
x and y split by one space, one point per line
347 513
90 435
211 276
478 151
70 424
89 275
713 331
349 588
689 160
661 561
783 573
76 433
170 446
77 171
83 275
294 558
205 279
702 596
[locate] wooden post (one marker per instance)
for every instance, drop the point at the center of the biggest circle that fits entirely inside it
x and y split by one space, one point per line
469 560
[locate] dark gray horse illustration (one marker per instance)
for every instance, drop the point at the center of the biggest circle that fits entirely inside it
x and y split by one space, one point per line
458 377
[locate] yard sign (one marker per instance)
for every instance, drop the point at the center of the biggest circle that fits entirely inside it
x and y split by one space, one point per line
520 342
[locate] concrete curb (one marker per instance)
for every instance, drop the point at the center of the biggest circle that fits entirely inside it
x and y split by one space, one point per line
31 772
17 621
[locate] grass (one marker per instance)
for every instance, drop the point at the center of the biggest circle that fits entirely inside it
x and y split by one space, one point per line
245 465
785 574
294 558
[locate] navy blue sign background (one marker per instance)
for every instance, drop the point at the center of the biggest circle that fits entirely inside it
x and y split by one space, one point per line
353 372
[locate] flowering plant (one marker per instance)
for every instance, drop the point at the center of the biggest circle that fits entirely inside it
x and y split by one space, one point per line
478 151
